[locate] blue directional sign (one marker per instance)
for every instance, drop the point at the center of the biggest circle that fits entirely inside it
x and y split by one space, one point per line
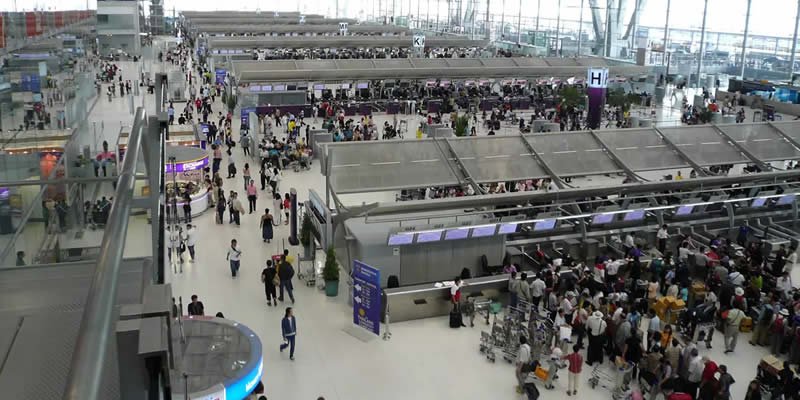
31 83
367 297
219 74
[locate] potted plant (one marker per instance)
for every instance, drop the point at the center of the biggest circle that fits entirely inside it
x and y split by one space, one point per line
231 103
305 235
462 124
331 273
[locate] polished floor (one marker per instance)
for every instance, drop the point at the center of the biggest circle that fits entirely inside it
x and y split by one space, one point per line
424 359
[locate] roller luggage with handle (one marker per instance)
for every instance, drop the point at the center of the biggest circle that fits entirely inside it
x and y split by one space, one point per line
455 318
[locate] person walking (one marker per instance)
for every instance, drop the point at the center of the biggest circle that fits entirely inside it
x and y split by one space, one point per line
221 204
575 361
289 332
231 165
285 274
523 362
174 240
266 226
237 209
246 175
662 235
277 205
287 205
732 322
187 207
217 160
234 256
596 328
269 278
252 195
190 237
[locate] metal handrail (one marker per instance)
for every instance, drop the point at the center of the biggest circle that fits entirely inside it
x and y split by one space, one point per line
91 348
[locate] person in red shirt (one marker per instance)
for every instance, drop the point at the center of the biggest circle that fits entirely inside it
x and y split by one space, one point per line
708 372
575 360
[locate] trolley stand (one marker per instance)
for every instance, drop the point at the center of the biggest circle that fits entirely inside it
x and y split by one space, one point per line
387 333
309 277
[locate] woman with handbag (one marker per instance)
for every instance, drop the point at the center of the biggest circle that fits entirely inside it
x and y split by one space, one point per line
269 277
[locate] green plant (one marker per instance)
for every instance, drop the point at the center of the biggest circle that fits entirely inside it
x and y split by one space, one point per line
571 96
224 98
462 123
331 270
231 103
305 230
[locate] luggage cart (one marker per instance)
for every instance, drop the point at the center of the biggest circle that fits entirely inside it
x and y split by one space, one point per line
617 380
307 275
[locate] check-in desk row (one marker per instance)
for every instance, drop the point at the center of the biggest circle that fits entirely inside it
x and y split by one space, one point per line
426 300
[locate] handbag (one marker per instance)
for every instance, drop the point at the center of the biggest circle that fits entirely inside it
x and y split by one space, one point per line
276 281
182 247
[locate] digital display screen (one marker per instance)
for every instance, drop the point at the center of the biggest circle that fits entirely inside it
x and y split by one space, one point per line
255 88
507 82
483 231
266 88
634 215
759 202
602 219
280 87
453 234
363 85
521 82
684 210
469 83
507 228
445 83
319 87
430 83
785 200
400 239
545 225
204 127
292 87
5 193
345 86
484 83
425 237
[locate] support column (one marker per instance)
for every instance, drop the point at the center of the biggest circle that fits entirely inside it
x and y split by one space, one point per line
580 30
702 42
794 43
558 27
488 27
606 46
419 16
503 20
744 40
519 23
538 11
666 33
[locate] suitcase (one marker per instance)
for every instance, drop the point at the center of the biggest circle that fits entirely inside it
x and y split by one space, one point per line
455 319
531 392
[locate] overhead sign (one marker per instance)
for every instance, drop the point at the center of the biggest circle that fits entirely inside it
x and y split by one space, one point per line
302 19
343 28
31 83
367 297
597 78
419 41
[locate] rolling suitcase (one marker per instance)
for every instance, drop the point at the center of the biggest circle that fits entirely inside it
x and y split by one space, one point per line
455 318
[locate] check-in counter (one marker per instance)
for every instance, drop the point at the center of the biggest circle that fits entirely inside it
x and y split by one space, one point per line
426 300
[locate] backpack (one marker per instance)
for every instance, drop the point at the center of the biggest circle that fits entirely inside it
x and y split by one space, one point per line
778 326
767 318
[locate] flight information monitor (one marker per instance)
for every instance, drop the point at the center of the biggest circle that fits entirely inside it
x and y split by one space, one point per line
483 231
267 88
545 225
400 239
345 86
426 237
280 87
785 200
759 202
602 219
506 228
319 87
684 210
634 215
363 85
460 233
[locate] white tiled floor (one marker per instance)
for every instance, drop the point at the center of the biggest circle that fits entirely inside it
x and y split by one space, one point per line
424 359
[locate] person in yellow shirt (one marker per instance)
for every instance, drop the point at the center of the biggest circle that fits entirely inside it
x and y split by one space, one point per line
678 176
291 126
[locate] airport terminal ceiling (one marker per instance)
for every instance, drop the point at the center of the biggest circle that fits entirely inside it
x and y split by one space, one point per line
418 164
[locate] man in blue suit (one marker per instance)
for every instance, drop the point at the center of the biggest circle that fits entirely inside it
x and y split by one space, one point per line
289 331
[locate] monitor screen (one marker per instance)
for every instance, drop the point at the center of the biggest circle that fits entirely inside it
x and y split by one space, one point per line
401 238
785 200
291 87
280 87
684 210
444 83
545 225
453 234
484 83
267 88
425 237
319 87
430 83
602 219
483 231
345 86
469 83
510 227
759 202
363 85
255 88
634 215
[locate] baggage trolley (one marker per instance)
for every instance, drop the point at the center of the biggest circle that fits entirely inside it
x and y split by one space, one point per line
617 380
307 275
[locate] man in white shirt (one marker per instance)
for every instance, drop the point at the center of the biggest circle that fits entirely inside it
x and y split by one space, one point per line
684 251
566 305
190 237
597 330
696 366
612 268
537 290
784 284
628 243
523 359
662 235
234 256
173 240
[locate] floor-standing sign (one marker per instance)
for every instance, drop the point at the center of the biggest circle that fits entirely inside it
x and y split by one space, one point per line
343 28
419 41
367 297
597 81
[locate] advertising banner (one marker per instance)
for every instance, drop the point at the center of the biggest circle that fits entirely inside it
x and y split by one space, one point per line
246 114
220 75
31 83
367 297
597 81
